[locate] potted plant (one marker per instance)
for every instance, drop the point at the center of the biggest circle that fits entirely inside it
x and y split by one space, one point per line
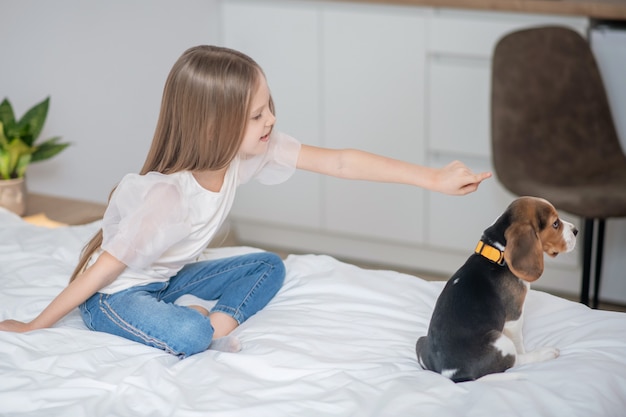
18 149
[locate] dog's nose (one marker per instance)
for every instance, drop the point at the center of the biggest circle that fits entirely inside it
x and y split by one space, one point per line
575 231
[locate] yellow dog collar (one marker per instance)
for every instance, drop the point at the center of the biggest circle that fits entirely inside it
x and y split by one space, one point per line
493 254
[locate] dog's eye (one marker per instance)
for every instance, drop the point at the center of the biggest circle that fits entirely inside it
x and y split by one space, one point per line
556 223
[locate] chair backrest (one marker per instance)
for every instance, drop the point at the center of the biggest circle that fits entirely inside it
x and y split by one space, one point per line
551 120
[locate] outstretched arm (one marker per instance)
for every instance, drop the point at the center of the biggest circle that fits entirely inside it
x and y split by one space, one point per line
455 178
103 272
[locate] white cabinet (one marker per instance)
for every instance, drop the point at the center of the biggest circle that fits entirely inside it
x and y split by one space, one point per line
459 87
458 83
373 100
339 78
284 40
408 82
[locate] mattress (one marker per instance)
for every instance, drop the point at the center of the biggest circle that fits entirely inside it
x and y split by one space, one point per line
337 340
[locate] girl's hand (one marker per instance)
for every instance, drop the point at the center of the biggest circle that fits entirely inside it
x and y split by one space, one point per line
457 179
103 272
15 326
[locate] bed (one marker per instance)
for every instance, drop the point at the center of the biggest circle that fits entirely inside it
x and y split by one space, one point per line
337 340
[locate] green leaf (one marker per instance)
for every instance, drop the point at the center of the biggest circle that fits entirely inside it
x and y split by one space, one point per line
6 112
48 149
22 164
8 120
31 124
11 128
4 165
12 157
17 139
3 139
17 149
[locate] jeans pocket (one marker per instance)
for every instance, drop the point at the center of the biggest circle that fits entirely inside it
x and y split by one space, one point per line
86 315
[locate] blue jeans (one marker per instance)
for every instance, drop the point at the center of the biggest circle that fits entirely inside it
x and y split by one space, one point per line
147 314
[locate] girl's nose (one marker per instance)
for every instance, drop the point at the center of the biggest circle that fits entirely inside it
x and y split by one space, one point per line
271 120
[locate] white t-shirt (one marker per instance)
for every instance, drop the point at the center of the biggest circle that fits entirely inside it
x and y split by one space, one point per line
157 223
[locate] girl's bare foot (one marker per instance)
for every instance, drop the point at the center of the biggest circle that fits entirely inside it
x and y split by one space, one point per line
226 344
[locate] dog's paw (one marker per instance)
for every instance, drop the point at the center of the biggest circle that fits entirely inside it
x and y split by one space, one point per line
546 353
538 355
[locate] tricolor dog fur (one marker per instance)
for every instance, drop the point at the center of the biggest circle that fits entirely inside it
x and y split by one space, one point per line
476 327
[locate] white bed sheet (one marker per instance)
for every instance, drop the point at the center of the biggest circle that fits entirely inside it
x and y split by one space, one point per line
337 340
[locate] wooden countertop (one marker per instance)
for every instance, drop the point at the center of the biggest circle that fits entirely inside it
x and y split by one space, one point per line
597 9
64 210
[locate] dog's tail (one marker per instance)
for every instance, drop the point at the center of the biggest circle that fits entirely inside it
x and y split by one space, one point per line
422 351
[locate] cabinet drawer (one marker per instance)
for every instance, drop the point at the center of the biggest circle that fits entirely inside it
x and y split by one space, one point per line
476 33
373 89
458 104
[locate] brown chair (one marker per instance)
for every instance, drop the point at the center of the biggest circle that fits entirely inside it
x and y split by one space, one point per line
553 134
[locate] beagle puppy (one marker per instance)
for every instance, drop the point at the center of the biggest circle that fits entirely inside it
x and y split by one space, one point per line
476 327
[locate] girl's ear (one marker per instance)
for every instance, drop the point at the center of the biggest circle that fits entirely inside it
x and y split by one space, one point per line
523 253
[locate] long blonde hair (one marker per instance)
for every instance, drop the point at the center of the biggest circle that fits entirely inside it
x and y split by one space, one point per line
205 106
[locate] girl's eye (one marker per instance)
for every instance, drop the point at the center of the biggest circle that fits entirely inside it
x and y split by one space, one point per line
556 224
257 117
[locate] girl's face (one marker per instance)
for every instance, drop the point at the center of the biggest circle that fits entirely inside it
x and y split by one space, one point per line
260 121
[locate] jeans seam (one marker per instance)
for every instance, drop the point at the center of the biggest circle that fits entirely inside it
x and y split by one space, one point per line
112 315
254 287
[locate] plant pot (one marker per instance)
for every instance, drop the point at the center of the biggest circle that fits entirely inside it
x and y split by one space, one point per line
13 195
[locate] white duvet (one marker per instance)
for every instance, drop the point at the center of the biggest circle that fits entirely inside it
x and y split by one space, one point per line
337 340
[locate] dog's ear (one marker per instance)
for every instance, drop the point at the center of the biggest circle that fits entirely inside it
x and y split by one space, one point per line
523 253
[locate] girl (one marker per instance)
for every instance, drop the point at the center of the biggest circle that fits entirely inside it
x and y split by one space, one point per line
214 132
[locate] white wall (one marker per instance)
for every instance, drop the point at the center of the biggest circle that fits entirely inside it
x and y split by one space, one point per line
104 65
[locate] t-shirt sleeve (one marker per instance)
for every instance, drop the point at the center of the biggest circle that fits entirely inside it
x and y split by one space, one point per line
274 166
145 216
